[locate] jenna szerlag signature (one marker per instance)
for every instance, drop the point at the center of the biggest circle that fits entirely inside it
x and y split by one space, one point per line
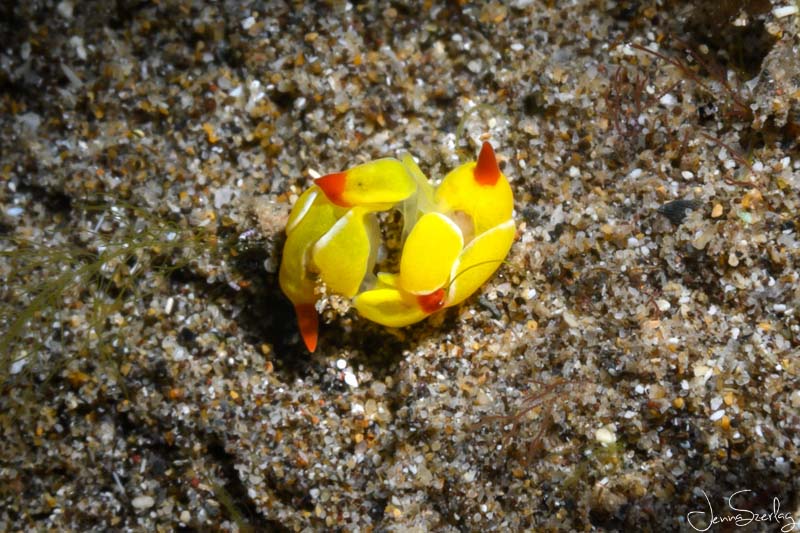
740 516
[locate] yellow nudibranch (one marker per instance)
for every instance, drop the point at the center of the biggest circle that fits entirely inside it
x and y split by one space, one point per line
456 236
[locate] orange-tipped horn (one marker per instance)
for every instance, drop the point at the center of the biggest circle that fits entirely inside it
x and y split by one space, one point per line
308 323
333 187
486 171
430 303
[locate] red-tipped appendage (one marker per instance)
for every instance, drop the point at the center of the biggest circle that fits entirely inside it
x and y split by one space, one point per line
486 171
333 187
308 323
430 303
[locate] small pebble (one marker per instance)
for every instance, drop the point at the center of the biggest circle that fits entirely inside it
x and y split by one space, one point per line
606 435
668 100
350 379
18 365
143 502
65 9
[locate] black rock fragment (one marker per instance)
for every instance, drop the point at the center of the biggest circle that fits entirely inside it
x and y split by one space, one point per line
676 210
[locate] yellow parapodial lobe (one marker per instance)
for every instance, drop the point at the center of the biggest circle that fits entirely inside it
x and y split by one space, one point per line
346 252
389 307
478 261
428 254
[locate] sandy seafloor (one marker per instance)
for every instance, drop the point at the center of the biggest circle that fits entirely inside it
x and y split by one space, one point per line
152 375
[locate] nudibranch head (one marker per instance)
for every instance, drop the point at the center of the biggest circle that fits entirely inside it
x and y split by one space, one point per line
478 189
311 218
378 184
